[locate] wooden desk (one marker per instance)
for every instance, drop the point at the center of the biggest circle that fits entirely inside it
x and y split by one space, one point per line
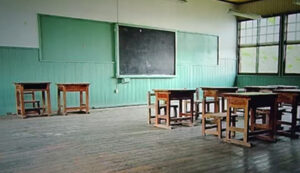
269 88
167 96
284 86
216 93
292 97
249 102
23 87
73 87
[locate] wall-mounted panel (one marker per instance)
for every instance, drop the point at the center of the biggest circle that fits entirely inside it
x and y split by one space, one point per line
197 49
75 40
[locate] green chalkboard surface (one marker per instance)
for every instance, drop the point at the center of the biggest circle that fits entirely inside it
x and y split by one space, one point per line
146 52
197 49
75 40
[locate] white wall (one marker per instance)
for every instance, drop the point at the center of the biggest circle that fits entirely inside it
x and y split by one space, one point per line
18 18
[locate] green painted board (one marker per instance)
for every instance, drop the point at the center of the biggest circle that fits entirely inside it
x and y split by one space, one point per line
75 40
197 49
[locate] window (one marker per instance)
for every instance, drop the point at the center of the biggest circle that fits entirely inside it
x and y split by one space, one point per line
292 44
259 45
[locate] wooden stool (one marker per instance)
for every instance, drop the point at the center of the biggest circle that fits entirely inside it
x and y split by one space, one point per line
217 120
29 89
151 106
263 114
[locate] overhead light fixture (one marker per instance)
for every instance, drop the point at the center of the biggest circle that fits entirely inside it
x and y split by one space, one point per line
245 15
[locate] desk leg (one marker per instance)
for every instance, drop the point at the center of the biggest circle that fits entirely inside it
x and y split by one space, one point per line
246 125
180 107
22 102
81 101
294 119
192 109
273 120
228 119
65 101
216 104
48 102
203 116
223 104
157 111
87 101
58 102
253 118
168 113
44 101
17 101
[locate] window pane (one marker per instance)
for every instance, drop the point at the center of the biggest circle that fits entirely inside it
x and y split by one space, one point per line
248 60
269 29
293 27
268 59
292 64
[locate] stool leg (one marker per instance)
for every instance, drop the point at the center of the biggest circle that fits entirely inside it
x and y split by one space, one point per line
233 124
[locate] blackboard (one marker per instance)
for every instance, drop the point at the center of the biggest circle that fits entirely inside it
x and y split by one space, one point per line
146 52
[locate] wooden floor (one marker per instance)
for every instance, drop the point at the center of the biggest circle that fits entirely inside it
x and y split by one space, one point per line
119 140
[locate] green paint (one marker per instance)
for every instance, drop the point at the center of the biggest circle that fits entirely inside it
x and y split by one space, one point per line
271 20
75 40
197 49
22 64
290 47
244 80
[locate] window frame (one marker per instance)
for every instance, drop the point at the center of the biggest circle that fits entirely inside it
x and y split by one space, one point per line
286 43
258 45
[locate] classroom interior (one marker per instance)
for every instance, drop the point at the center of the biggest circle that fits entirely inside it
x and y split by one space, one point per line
149 86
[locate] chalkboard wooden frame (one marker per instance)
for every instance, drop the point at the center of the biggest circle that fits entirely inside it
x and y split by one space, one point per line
118 75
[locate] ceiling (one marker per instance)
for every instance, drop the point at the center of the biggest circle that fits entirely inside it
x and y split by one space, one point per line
239 1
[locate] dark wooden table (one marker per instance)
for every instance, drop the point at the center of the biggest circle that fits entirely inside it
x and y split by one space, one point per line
249 101
166 95
284 86
260 88
73 87
292 97
32 87
216 93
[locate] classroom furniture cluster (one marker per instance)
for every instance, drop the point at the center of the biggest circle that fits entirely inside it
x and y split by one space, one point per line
267 111
23 104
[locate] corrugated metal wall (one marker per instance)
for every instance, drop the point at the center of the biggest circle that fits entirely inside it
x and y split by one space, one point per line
22 64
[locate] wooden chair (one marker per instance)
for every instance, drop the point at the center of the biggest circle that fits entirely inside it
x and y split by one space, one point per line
215 118
29 110
263 114
197 104
151 106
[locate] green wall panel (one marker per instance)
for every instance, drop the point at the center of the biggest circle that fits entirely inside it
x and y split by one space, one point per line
22 64
244 80
75 40
195 48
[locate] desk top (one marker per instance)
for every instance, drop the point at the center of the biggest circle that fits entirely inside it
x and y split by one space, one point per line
174 90
84 83
284 86
219 88
31 83
287 91
262 87
249 94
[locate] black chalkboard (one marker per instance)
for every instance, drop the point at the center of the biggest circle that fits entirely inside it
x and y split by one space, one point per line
146 52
